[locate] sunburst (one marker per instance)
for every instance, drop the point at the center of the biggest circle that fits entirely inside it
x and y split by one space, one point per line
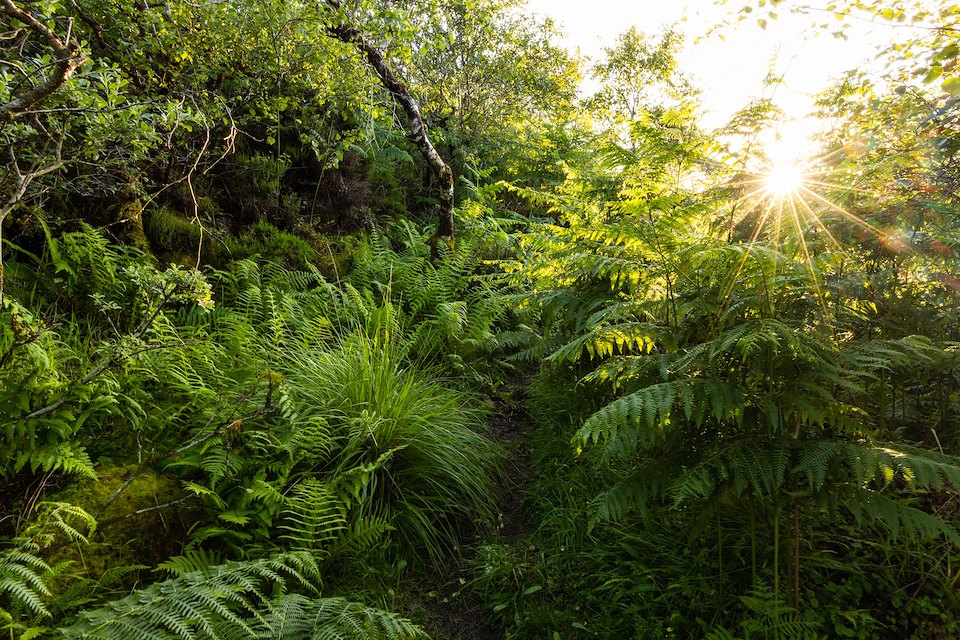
784 180
785 200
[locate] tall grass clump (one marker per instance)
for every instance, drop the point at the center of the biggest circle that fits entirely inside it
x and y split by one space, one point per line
436 472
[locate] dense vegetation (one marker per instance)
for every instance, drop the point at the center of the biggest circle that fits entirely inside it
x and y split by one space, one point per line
249 388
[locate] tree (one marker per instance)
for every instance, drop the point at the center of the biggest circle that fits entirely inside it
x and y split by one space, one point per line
494 84
339 29
67 58
23 93
637 76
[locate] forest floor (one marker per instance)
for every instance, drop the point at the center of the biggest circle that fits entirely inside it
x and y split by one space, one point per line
451 612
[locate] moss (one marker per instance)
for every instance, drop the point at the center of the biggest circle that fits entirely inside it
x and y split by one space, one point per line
129 216
175 237
170 230
147 538
335 254
273 245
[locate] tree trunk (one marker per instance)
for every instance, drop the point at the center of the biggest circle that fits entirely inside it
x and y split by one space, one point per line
418 127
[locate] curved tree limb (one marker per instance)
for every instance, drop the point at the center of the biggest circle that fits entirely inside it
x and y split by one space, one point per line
68 54
418 126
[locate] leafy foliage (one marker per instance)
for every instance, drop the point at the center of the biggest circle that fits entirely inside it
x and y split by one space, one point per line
746 405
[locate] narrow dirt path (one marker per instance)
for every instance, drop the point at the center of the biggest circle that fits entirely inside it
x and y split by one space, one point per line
509 426
453 613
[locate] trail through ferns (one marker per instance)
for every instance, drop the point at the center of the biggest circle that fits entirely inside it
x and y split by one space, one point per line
451 611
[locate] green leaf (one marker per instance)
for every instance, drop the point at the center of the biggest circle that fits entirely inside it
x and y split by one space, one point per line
948 52
952 86
933 73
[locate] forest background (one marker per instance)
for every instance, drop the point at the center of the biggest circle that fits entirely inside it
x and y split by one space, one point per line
357 320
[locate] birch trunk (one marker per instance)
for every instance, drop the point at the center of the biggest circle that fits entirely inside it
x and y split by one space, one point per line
418 135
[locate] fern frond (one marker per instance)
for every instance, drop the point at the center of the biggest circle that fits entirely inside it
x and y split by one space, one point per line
770 615
21 579
313 515
191 561
645 483
606 341
295 617
636 420
361 534
220 602
869 357
899 518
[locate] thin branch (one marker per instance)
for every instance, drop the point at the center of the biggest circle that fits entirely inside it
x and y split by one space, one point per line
69 58
22 180
140 331
199 439
20 184
165 505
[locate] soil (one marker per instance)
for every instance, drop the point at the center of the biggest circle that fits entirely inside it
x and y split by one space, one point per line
450 612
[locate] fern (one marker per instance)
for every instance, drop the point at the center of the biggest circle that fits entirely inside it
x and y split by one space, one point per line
362 534
442 305
220 602
900 518
636 420
607 341
768 615
53 520
296 617
237 600
22 584
313 516
192 561
84 592
27 603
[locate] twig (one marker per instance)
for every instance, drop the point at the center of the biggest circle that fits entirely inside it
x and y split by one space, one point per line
109 362
199 439
138 512
21 183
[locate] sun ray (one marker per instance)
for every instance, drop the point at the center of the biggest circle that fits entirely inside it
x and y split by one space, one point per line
775 184
819 221
808 259
786 210
784 194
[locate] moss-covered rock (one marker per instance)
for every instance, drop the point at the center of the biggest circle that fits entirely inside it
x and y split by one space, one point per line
124 536
176 238
335 253
273 245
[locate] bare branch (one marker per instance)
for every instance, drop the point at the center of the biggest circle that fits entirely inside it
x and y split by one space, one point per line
22 180
140 331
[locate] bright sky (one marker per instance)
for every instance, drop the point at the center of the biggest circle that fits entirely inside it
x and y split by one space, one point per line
730 72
